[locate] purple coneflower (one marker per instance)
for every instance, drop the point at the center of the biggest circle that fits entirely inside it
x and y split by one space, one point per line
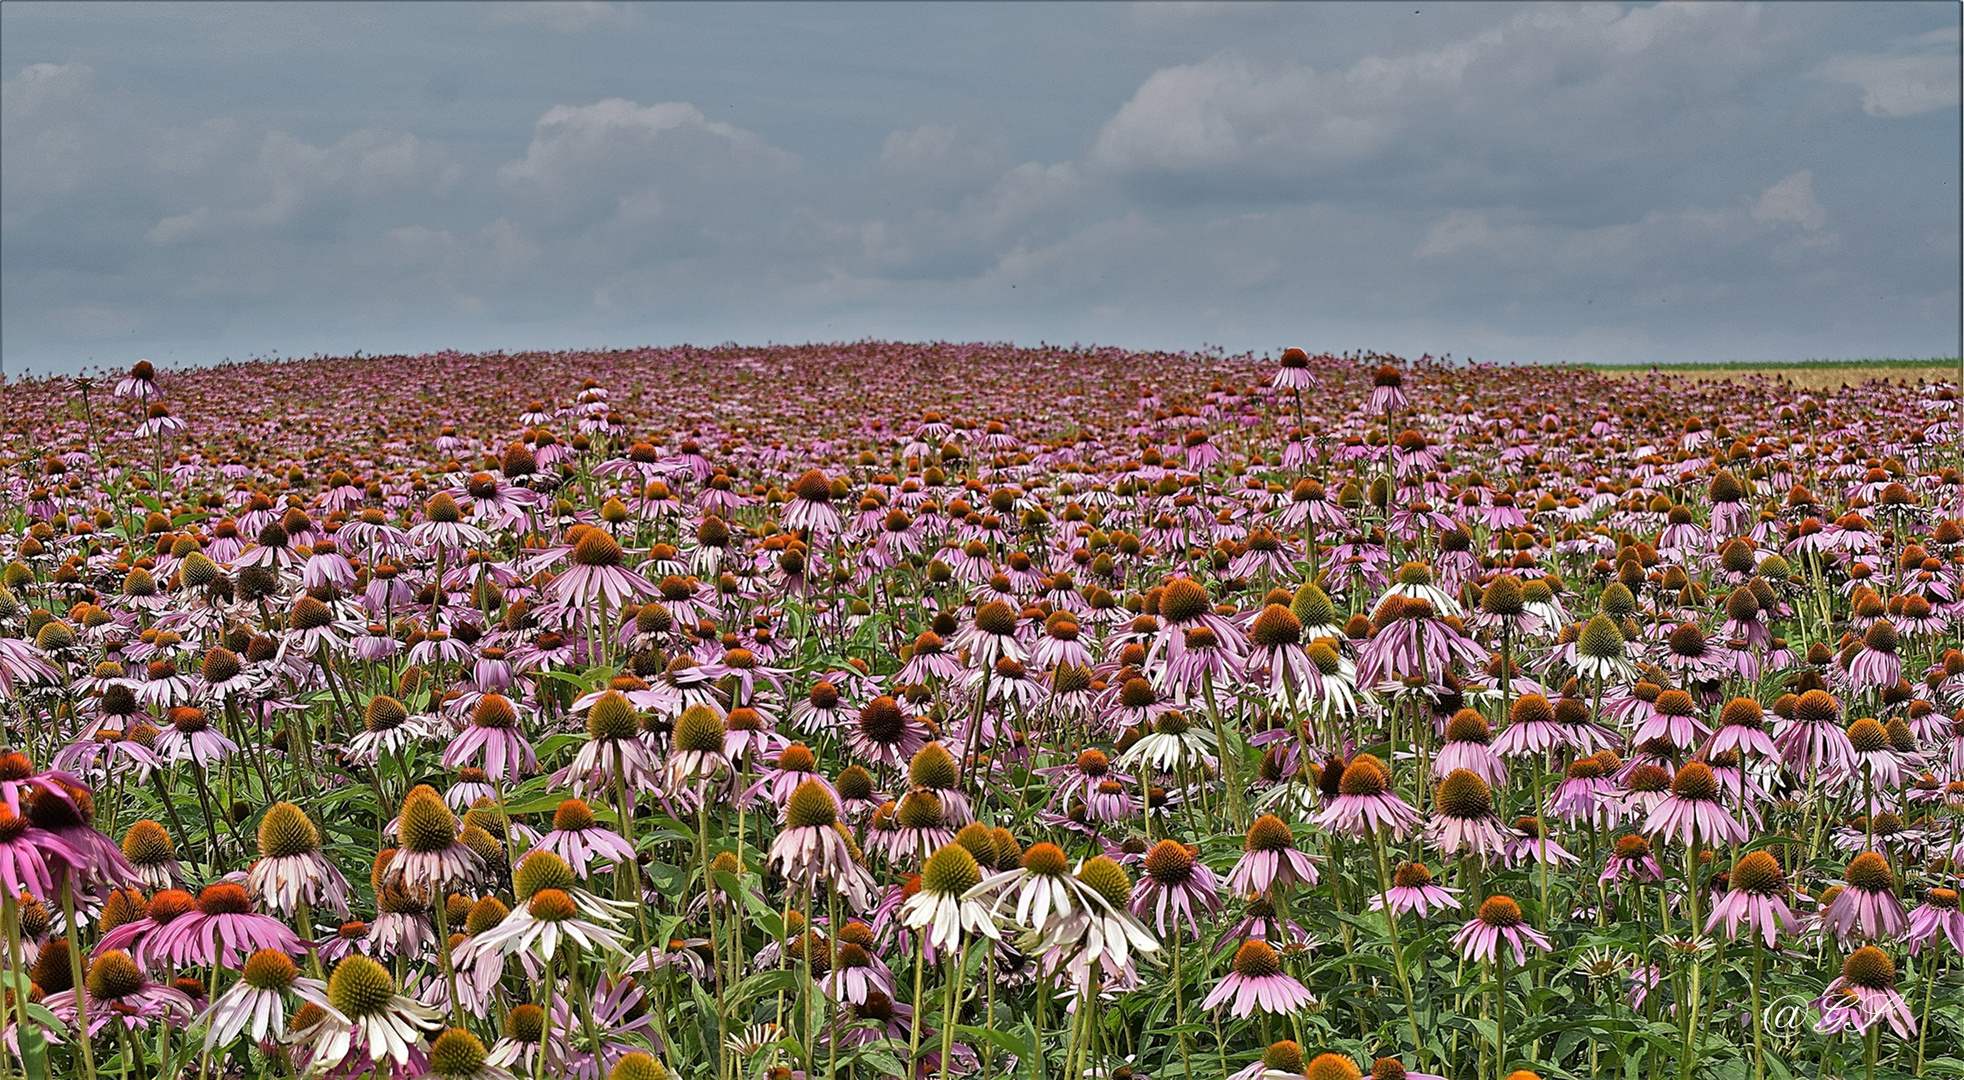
1463 820
1864 995
1270 859
1498 922
1366 805
1413 892
1257 982
1867 908
1757 900
1692 813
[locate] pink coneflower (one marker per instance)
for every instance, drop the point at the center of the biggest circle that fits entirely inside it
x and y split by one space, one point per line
1673 716
120 993
1463 820
25 851
941 910
223 929
886 734
1742 729
597 575
1875 664
1366 805
813 850
1498 922
1587 793
1631 860
1813 739
791 767
1867 908
1937 914
695 755
1692 813
1864 995
1387 391
612 753
990 636
190 737
929 662
1175 884
1270 859
1757 901
1468 746
493 743
810 509
580 840
290 870
1532 844
1413 642
1531 728
1413 892
370 1023
432 858
1257 981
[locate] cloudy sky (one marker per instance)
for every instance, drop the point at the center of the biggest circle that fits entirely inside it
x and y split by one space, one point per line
1598 183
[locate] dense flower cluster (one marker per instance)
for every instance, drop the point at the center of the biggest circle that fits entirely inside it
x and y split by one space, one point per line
891 710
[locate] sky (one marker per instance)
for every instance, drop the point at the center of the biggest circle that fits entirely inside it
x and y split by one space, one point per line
1544 183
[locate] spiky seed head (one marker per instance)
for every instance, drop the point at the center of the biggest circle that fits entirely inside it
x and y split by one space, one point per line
1270 833
699 730
360 987
541 870
920 810
636 1065
810 806
114 976
269 969
1462 794
1108 879
456 1053
1332 1067
1759 873
1696 782
1500 911
1870 968
285 832
1870 873
614 717
148 844
1601 638
934 767
950 871
1256 959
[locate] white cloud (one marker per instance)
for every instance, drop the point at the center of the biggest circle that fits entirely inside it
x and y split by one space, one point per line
44 111
1898 85
563 16
179 227
364 164
587 163
1791 200
1468 230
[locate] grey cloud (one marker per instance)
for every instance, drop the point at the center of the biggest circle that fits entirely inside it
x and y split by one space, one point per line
1592 182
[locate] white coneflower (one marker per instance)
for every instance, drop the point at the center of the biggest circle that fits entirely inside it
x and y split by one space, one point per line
551 909
369 1017
941 909
256 1004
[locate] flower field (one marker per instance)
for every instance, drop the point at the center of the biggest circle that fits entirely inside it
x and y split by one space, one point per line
900 710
